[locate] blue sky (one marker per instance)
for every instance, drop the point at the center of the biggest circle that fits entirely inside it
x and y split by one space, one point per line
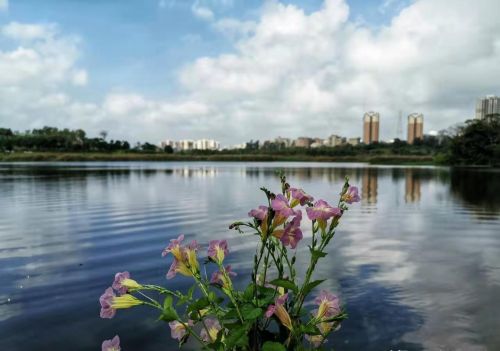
140 44
171 69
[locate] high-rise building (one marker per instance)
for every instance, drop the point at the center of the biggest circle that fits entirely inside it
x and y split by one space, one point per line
488 106
415 127
371 122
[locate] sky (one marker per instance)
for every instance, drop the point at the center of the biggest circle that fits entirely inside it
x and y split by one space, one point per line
236 70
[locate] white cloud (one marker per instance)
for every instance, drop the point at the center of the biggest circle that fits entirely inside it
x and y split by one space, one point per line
202 12
80 77
22 31
4 5
290 73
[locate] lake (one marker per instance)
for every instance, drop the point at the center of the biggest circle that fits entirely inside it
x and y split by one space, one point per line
416 262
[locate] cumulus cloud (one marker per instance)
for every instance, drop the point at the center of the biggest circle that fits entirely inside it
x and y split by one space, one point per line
290 73
317 73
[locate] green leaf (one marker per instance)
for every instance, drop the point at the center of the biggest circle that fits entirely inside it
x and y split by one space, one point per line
185 298
309 329
231 314
273 346
250 312
198 304
285 283
169 313
249 291
237 337
312 285
167 303
316 254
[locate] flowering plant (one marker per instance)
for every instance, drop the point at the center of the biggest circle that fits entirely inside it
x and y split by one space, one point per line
269 314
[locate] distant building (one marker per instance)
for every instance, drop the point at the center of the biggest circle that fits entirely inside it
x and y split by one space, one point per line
415 127
303 142
238 146
171 143
185 145
206 144
335 140
286 142
371 121
317 142
488 106
354 141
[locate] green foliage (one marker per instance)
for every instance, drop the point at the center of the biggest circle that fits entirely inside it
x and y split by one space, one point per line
273 346
285 283
477 143
308 287
169 313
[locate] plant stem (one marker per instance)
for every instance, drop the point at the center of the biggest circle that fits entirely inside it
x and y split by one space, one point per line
230 292
191 332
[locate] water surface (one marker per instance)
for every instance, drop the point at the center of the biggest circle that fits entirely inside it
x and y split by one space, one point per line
416 263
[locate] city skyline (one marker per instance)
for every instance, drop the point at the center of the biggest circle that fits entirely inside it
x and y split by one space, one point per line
298 67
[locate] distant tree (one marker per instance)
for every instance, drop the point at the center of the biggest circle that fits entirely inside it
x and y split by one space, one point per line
6 132
252 145
148 147
168 149
477 142
103 134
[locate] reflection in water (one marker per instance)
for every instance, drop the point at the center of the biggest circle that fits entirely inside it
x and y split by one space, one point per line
412 186
410 279
479 188
369 185
386 323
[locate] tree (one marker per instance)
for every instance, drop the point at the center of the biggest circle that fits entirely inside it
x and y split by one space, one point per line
168 149
477 143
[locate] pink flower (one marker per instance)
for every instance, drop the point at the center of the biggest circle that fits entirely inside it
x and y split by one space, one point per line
117 284
174 247
213 327
292 233
178 330
179 267
185 258
218 277
281 206
106 301
328 305
260 213
111 345
217 250
300 196
322 211
351 195
270 311
279 310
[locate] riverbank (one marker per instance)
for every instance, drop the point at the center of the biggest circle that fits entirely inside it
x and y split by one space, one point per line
68 157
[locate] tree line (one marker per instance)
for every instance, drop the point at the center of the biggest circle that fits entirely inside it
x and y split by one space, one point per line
476 142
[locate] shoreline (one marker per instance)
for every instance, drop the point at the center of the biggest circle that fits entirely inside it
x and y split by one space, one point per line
159 157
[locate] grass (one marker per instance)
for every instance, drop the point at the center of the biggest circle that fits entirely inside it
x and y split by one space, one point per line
83 156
